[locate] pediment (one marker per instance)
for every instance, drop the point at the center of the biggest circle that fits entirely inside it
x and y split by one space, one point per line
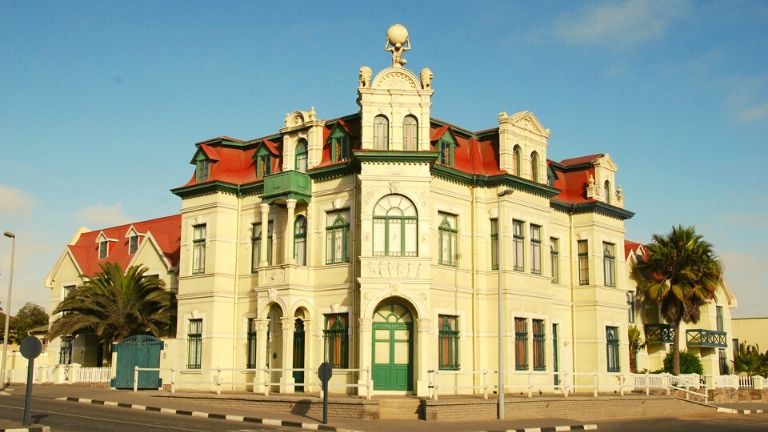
607 162
528 121
396 78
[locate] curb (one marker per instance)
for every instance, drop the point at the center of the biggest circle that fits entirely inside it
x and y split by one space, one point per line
28 429
739 411
550 429
230 417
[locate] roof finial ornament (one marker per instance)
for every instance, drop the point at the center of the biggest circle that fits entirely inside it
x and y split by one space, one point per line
397 43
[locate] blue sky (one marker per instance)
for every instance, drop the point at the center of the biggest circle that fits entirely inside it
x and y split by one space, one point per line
101 103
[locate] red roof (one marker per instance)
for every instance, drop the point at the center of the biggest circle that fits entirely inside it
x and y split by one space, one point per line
165 230
581 159
631 247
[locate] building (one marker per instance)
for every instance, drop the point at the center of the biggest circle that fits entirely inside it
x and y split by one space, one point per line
380 241
750 331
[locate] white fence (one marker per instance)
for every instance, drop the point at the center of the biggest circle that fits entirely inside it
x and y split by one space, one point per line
61 374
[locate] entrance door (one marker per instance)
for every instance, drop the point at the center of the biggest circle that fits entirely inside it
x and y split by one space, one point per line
392 348
298 354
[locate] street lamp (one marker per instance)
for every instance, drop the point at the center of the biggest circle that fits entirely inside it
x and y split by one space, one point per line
499 255
11 236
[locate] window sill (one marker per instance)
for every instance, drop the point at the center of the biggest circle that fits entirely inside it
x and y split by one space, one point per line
191 371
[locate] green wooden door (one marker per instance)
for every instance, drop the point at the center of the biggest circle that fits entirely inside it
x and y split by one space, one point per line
392 348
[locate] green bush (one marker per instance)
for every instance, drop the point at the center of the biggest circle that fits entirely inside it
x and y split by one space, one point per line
689 363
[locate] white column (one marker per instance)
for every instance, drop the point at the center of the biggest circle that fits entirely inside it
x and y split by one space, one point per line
365 326
286 378
289 227
264 235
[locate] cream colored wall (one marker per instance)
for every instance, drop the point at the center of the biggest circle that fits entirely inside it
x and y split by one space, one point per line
751 331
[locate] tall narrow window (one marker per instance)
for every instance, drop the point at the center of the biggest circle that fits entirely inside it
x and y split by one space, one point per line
612 348
201 168
198 249
448 232
410 133
339 143
607 191
494 244
719 318
446 149
250 362
194 343
301 156
539 360
556 352
535 249
519 239
336 234
609 264
103 248
521 344
395 227
631 306
263 163
256 245
723 362
380 133
133 244
516 163
554 255
448 342
336 340
583 250
300 240
535 166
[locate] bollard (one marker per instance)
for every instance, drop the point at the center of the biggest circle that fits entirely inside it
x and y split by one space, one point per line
597 384
530 387
485 383
370 383
266 382
173 380
135 378
218 380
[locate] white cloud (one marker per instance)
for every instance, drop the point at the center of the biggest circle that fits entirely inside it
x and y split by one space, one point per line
15 203
101 216
621 25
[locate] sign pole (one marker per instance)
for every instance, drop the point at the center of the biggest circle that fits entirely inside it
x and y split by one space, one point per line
325 371
31 347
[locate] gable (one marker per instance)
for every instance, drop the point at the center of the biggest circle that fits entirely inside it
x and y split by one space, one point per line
528 121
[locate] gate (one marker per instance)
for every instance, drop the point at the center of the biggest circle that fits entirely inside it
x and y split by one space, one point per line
142 351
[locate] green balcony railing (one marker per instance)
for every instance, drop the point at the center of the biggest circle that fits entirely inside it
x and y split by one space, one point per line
287 185
659 333
706 338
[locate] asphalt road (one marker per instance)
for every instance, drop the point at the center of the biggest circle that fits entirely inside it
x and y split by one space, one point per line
714 423
64 416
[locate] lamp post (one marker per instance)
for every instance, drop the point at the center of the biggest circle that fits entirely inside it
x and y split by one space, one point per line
499 255
11 236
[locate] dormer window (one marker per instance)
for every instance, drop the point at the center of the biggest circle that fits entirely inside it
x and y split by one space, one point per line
301 156
263 163
445 148
133 243
380 133
103 248
339 143
201 168
410 133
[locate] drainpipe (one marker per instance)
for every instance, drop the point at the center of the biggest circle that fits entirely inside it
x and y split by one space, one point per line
235 344
473 221
571 242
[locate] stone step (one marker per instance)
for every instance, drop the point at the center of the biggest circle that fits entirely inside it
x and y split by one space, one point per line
405 408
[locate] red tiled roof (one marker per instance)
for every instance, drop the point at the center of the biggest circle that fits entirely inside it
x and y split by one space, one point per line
631 247
581 159
165 230
573 185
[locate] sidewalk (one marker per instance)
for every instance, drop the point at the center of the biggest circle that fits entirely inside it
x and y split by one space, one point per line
234 406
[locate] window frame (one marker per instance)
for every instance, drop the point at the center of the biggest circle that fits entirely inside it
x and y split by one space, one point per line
194 343
336 333
251 344
339 143
535 231
517 160
539 344
381 132
535 166
390 221
583 261
256 244
446 150
613 359
448 342
410 142
518 241
198 248
494 243
609 264
202 168
263 162
521 343
300 240
103 248
339 226
554 254
301 155
448 236
133 244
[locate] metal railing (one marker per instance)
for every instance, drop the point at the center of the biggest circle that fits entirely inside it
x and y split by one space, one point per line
435 385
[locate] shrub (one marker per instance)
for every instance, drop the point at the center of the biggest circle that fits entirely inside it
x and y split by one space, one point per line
689 363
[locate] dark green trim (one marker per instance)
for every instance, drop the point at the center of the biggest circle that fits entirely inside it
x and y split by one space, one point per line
513 182
205 188
391 156
592 207
326 172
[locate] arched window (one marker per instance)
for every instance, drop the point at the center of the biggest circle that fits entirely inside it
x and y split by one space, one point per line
380 133
336 234
300 240
516 161
410 133
535 166
607 191
301 156
395 227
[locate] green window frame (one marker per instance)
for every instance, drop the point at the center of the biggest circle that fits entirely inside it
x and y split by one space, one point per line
516 160
336 236
539 341
410 133
250 361
256 244
198 248
535 249
612 348
300 240
448 234
446 148
535 166
494 244
518 241
380 133
336 340
448 342
395 227
722 360
133 244
583 254
300 160
202 168
194 343
339 143
554 256
609 264
521 344
263 162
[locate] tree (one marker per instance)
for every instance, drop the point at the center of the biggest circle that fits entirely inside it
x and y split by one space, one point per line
751 361
114 305
689 364
30 316
681 274
635 343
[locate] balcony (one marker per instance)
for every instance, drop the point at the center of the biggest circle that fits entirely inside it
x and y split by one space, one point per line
287 185
706 338
659 333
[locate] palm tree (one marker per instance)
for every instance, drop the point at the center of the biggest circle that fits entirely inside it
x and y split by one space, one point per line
680 273
750 360
114 305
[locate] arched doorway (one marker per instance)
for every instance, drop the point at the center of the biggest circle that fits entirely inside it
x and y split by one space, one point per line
392 347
